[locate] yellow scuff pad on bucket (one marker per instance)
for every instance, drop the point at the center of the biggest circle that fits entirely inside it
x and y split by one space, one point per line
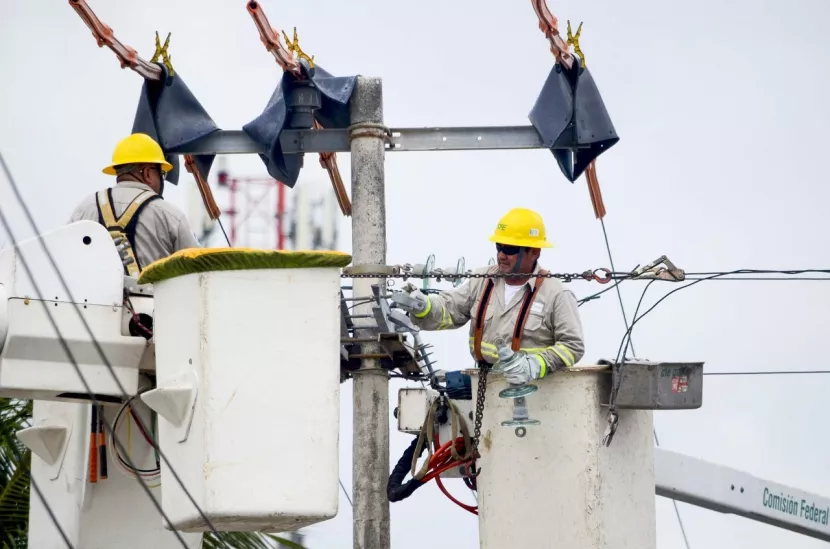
201 260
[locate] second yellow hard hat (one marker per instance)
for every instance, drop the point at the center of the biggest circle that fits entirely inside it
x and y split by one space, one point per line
521 227
138 148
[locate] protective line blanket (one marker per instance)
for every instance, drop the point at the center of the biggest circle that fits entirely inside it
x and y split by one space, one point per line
201 260
571 117
335 92
169 113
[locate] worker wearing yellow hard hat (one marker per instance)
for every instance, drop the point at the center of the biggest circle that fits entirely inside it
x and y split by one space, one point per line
144 226
522 322
138 148
519 235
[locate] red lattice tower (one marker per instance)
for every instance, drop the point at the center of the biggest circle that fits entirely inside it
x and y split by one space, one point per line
256 206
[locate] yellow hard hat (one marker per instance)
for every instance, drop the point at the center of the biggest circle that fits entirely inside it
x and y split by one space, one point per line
138 148
521 227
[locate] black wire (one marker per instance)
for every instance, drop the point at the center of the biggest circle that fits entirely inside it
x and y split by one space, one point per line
711 276
115 423
97 345
75 364
617 286
43 501
637 319
674 502
706 276
49 511
636 310
767 279
762 271
628 331
771 373
228 240
592 297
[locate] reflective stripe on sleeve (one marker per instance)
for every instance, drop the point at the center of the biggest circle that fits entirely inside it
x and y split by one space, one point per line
425 311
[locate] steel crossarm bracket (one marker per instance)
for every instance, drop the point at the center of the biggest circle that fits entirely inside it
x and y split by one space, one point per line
400 139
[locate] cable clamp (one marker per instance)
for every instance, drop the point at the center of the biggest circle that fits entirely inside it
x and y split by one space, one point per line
660 269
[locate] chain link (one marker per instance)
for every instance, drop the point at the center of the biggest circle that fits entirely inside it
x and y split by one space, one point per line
482 391
603 275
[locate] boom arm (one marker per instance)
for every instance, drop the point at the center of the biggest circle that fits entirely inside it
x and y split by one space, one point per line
727 490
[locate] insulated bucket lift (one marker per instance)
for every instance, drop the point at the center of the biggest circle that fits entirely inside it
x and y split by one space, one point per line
33 363
231 328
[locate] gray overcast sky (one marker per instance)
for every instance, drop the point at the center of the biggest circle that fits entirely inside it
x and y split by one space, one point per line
722 115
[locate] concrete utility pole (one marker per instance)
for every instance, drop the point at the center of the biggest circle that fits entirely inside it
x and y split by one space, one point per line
370 452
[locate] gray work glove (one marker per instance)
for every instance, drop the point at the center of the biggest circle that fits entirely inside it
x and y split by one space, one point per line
518 368
410 299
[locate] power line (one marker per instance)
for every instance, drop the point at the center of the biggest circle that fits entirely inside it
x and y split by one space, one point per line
767 279
674 501
591 297
221 226
617 285
723 276
709 276
638 318
772 373
763 271
66 349
97 345
45 503
345 493
628 331
697 278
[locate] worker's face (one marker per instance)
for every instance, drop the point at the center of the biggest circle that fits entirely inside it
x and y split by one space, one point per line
509 256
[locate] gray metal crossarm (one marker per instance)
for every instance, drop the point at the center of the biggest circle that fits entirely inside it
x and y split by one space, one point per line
401 139
463 139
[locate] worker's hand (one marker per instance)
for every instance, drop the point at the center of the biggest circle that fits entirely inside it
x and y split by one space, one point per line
409 288
517 369
412 300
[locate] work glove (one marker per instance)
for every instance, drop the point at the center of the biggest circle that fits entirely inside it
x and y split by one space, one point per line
518 368
410 298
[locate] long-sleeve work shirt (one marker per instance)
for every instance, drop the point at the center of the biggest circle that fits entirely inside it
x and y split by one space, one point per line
553 330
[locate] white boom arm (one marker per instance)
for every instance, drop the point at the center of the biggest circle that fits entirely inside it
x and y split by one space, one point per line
727 490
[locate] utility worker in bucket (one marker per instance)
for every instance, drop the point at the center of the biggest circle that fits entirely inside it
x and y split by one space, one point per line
536 315
145 227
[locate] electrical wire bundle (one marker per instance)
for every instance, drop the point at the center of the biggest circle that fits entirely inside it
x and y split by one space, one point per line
440 457
442 460
132 417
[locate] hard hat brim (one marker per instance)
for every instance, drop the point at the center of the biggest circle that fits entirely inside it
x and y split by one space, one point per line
525 243
165 167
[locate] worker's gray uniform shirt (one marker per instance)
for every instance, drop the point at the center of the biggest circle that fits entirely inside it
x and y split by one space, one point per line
161 230
553 331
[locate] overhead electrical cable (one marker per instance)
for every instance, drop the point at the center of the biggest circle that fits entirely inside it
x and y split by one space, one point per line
628 331
97 346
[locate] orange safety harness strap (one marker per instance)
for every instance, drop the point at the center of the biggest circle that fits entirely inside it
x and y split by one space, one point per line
520 321
479 325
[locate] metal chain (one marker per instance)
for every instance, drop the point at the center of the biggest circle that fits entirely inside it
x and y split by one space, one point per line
603 275
482 391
